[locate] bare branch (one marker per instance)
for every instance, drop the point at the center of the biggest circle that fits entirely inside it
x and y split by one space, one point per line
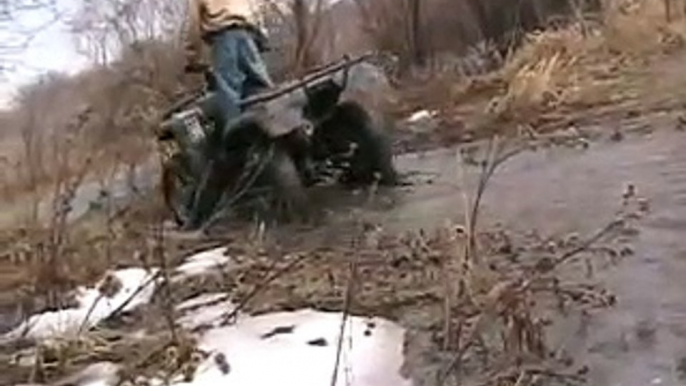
104 28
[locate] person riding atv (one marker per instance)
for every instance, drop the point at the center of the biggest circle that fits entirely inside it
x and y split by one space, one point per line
237 69
302 133
241 139
236 43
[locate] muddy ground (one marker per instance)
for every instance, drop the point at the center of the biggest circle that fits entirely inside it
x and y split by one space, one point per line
395 242
557 191
554 191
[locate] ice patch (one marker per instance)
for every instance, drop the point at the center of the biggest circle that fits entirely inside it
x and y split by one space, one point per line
203 262
97 374
136 287
299 348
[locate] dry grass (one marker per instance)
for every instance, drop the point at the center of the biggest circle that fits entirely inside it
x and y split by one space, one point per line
541 75
155 355
586 66
563 75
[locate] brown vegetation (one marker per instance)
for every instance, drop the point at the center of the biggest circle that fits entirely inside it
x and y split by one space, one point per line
89 125
66 130
136 49
593 68
118 99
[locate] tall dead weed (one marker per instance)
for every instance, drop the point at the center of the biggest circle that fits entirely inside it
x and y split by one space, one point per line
584 65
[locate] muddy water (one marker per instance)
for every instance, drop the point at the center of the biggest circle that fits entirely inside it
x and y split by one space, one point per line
643 340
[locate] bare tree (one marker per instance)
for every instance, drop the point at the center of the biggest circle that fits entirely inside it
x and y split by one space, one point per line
397 27
308 24
295 27
674 9
416 31
137 73
104 28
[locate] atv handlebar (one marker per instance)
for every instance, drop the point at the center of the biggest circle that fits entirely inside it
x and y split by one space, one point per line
308 79
311 77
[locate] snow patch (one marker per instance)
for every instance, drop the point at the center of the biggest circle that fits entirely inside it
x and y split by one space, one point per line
203 262
299 348
420 115
135 287
290 348
204 310
96 374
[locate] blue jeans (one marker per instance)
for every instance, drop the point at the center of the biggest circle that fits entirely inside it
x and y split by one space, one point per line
238 70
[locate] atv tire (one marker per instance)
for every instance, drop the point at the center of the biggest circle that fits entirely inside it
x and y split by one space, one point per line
361 149
280 180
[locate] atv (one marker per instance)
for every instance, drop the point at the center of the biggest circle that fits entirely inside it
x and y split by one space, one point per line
288 139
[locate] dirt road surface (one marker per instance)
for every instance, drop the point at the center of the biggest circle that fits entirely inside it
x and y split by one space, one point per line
558 190
641 340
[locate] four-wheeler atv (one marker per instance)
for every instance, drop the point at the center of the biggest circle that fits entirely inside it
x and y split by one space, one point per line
284 141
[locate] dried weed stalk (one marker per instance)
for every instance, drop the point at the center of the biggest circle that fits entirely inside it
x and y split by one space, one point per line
51 277
160 256
504 322
349 298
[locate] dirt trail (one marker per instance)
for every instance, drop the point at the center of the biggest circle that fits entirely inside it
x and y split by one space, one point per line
639 342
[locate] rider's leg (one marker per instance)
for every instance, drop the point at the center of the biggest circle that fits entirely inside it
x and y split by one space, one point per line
228 73
236 61
229 80
251 63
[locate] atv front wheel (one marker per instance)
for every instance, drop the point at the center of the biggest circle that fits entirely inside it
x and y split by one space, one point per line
281 184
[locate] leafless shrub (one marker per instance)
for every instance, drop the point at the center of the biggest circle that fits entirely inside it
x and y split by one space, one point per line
125 93
48 238
419 31
297 34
